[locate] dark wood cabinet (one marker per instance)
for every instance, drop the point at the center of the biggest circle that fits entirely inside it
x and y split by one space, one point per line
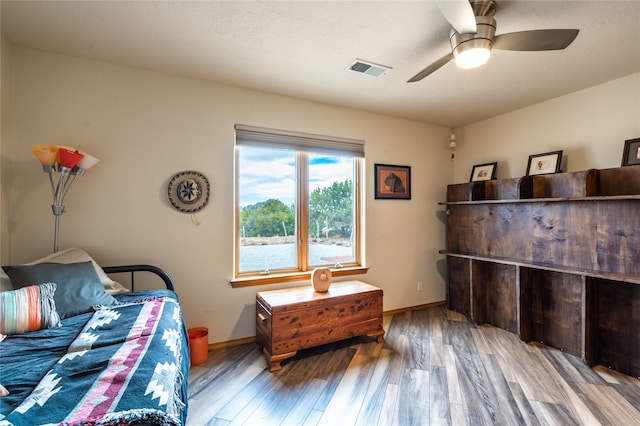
552 258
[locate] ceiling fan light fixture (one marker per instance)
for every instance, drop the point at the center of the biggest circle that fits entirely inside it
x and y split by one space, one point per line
473 50
471 57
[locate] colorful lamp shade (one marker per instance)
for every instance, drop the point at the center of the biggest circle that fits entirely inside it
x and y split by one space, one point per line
46 154
87 162
69 158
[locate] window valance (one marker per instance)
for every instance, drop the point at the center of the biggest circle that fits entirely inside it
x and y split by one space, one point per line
284 139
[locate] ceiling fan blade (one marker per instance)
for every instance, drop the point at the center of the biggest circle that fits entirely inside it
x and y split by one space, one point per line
431 68
460 15
535 40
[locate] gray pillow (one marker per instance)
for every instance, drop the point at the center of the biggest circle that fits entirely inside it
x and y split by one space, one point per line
79 286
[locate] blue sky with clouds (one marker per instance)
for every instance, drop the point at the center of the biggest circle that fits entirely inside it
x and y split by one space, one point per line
269 173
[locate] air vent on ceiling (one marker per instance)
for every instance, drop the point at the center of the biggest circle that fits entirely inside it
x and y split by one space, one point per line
368 68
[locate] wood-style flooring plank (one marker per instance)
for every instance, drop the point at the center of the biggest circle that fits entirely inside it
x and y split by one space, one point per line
458 417
481 342
397 361
388 405
313 418
523 405
347 399
568 397
570 367
286 387
434 368
477 394
418 341
301 413
525 367
608 406
627 386
439 406
507 409
397 327
413 397
255 391
373 402
217 422
498 341
332 371
555 414
436 352
221 367
206 400
453 385
271 408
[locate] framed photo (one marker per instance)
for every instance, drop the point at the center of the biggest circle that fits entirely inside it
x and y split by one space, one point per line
392 182
543 164
631 153
483 172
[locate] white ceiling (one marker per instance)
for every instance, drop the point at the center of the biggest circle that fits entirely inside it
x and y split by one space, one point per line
302 49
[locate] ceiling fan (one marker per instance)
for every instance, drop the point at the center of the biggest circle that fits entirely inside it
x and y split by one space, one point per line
473 35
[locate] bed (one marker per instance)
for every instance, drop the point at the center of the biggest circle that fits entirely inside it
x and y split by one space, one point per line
125 360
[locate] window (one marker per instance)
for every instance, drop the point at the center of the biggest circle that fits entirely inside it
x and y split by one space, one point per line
298 205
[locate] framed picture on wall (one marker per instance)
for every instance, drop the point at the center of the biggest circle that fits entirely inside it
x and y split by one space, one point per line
392 182
543 164
483 172
631 152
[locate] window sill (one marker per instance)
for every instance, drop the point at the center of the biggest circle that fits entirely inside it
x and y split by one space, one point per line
290 277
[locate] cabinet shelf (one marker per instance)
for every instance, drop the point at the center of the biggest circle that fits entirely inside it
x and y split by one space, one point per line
584 185
544 200
631 279
552 258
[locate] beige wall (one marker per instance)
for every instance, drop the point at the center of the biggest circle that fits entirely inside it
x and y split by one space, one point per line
146 126
5 149
590 126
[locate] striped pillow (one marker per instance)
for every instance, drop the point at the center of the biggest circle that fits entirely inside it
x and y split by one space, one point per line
28 309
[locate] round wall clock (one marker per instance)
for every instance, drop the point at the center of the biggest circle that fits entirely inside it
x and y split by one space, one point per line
188 191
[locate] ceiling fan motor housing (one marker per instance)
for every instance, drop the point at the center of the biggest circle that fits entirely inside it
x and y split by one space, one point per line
486 31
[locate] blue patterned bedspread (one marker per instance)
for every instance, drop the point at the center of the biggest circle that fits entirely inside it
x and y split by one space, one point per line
125 366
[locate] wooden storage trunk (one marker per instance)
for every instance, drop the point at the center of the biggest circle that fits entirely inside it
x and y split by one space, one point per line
298 318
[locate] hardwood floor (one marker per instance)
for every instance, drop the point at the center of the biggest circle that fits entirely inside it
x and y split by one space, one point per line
435 368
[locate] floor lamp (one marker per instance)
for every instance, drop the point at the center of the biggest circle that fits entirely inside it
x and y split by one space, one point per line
68 164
